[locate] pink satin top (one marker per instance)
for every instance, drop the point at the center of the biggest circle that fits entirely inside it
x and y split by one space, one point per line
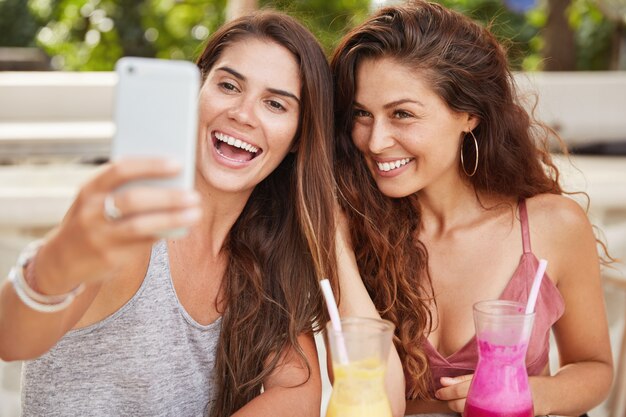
548 310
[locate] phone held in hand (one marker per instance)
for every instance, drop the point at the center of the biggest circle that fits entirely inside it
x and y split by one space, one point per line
156 114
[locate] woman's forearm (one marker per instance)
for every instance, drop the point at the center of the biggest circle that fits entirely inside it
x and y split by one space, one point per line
26 333
574 390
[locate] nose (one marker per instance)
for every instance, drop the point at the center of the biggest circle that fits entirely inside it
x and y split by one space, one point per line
243 111
381 137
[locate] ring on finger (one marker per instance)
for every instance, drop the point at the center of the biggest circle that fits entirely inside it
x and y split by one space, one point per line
111 211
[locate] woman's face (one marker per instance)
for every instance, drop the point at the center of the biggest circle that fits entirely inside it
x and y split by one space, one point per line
249 112
408 135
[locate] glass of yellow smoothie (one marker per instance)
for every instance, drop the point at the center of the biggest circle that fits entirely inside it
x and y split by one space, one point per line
359 356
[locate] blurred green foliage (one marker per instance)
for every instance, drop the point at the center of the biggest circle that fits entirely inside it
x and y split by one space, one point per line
17 25
521 32
93 34
328 20
593 35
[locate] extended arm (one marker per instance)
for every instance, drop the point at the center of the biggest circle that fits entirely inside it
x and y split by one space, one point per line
88 249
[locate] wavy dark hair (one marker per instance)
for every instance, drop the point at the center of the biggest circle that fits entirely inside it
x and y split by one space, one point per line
467 67
283 241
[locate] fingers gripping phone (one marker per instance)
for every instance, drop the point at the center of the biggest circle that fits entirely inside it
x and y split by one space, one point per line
156 114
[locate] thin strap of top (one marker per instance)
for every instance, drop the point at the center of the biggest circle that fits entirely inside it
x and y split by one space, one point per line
523 218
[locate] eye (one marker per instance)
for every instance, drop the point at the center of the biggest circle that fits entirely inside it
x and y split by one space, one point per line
401 114
357 113
228 87
275 105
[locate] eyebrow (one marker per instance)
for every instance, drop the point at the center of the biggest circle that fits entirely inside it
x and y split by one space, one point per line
241 77
395 103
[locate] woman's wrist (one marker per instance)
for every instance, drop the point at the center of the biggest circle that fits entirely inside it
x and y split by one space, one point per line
29 293
45 276
538 389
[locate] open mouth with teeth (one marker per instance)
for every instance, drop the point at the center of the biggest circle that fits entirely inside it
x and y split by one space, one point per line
391 165
234 149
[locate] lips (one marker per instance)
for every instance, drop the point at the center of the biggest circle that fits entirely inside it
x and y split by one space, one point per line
235 149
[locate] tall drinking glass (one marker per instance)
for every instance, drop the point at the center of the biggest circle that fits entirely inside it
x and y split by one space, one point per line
500 387
359 357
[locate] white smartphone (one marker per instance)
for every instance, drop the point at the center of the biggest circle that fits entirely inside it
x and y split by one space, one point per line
156 114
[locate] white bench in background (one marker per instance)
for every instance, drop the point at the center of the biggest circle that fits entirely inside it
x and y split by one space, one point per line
583 107
56 114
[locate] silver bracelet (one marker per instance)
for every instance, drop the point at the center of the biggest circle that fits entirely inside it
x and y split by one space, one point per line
31 298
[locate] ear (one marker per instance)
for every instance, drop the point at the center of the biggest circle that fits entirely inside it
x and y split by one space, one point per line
472 121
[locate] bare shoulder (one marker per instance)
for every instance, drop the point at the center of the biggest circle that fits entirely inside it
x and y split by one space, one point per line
557 213
561 233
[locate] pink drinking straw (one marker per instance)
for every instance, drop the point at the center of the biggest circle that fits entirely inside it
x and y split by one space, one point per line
334 319
534 290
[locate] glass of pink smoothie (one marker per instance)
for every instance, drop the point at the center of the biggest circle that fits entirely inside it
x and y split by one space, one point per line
500 387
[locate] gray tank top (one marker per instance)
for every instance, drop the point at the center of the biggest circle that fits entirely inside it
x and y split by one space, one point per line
149 358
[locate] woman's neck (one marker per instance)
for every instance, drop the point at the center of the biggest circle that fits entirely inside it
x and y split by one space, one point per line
449 209
447 206
220 211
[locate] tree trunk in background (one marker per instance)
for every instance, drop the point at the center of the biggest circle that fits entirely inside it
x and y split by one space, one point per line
618 47
130 31
560 49
238 8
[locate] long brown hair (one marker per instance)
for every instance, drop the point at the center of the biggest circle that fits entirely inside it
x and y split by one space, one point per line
467 67
283 241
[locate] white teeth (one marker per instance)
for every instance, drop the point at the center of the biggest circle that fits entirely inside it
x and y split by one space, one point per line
388 166
237 143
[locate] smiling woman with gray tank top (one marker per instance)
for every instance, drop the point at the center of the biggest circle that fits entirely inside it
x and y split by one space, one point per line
114 321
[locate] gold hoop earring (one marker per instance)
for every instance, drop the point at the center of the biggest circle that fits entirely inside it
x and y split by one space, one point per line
476 159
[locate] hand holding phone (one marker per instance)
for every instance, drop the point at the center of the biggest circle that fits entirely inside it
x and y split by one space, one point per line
156 115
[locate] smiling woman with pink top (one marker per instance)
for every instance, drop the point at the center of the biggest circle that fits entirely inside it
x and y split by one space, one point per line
450 198
219 322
